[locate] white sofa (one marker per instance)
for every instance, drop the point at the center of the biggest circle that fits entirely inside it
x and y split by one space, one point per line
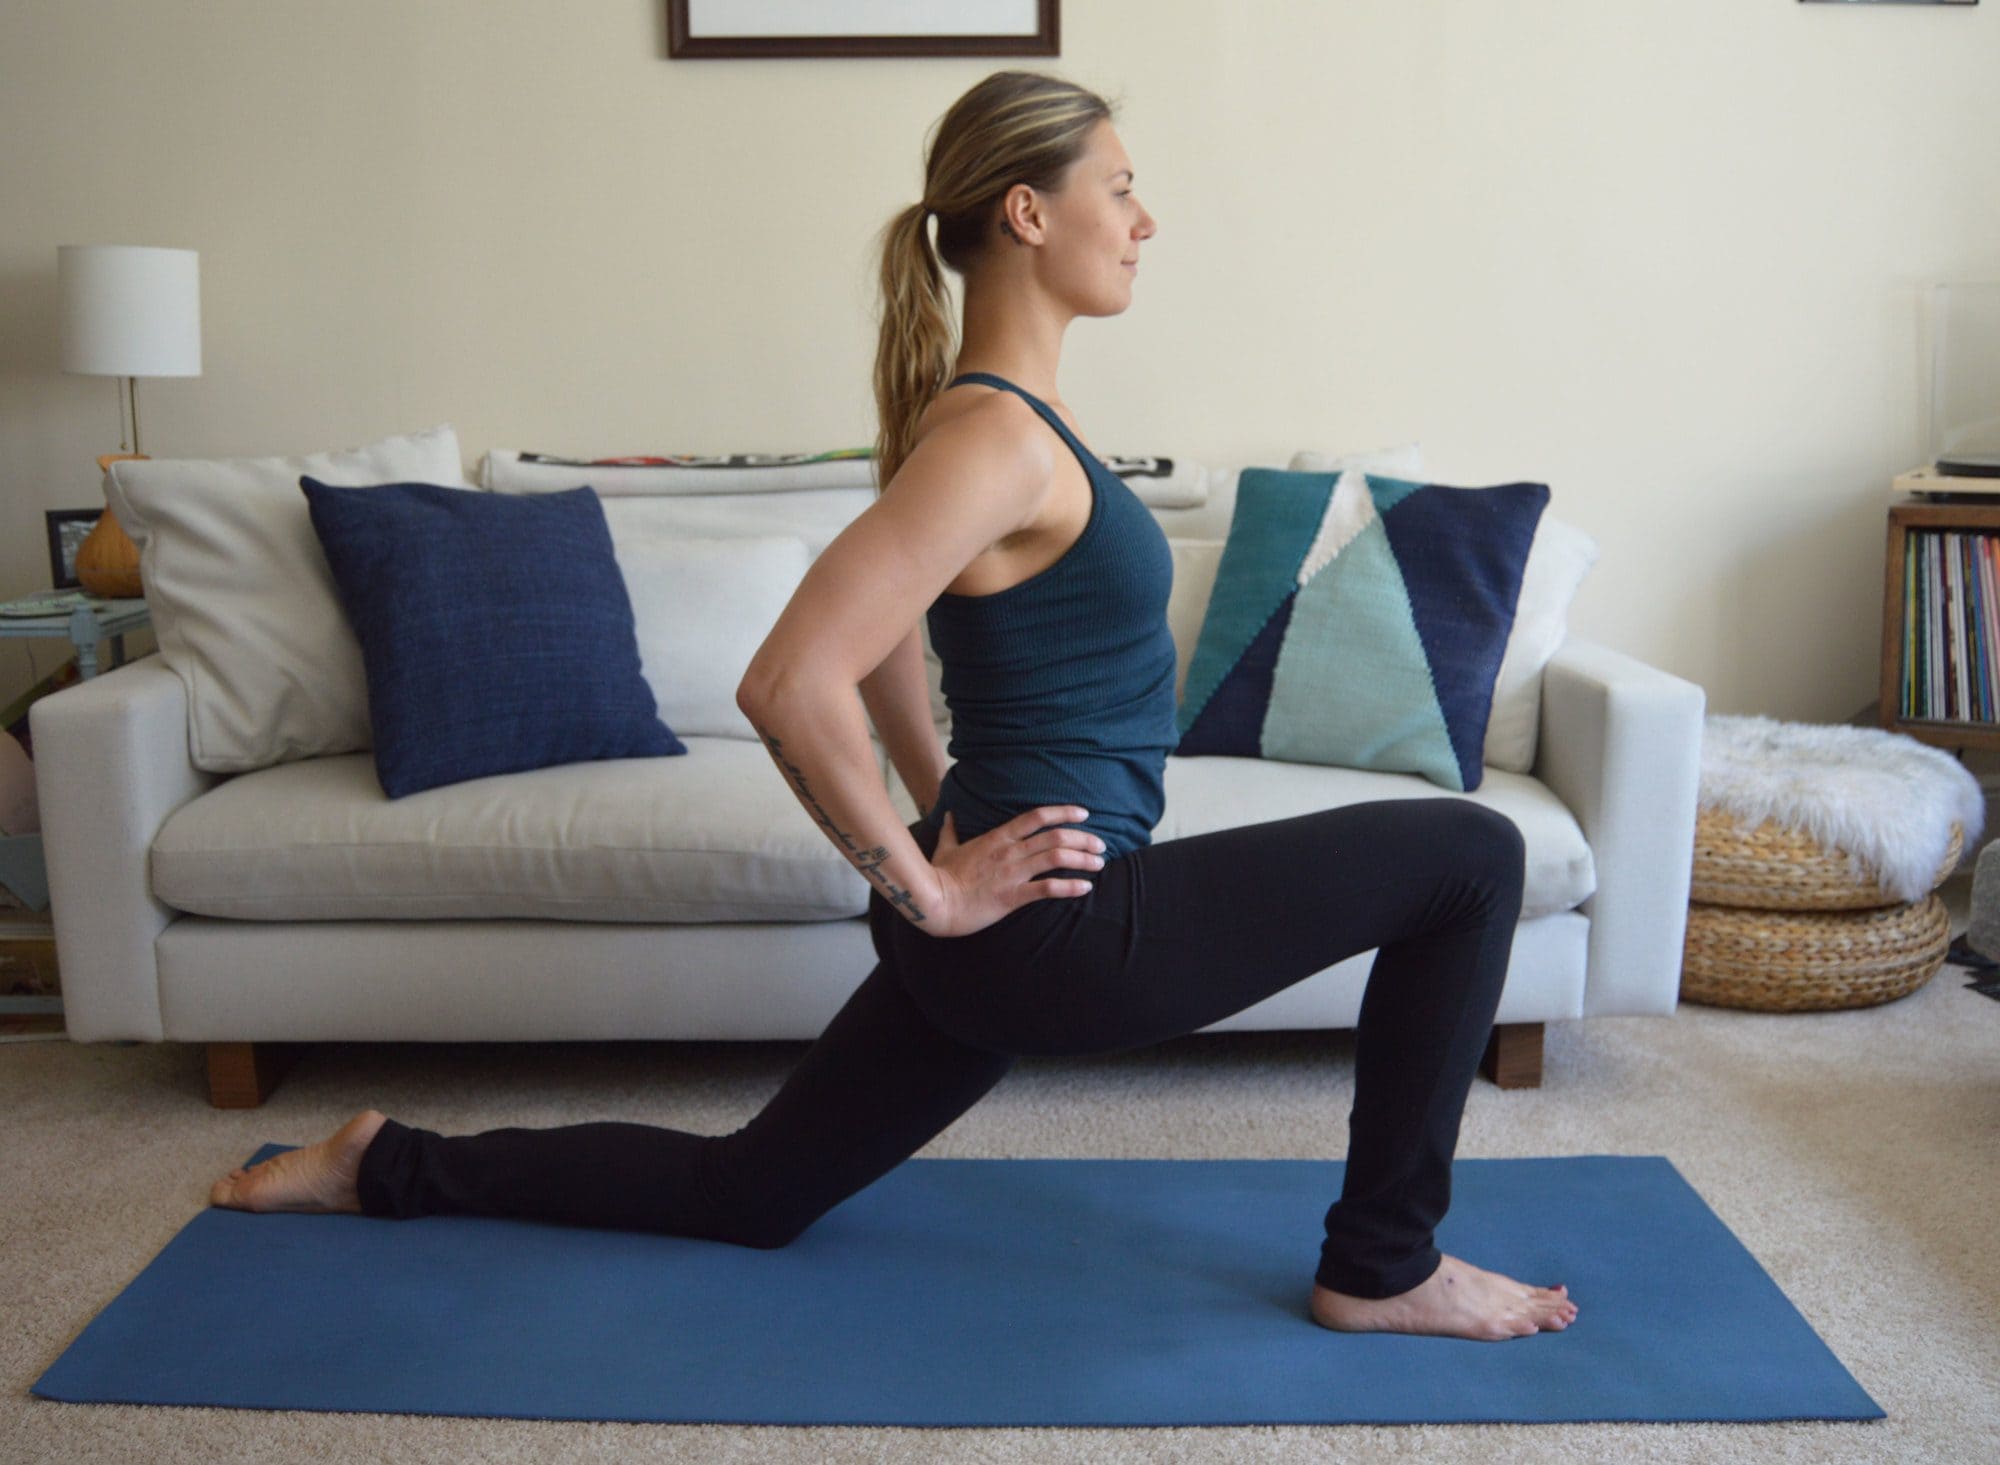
691 896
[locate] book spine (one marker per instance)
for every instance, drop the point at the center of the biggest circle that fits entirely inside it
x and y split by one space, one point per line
1933 633
1911 620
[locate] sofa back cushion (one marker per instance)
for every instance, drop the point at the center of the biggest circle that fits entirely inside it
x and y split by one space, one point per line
701 606
652 500
243 603
711 549
815 496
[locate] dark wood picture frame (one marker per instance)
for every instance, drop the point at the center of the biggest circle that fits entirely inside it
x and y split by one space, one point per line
681 46
63 544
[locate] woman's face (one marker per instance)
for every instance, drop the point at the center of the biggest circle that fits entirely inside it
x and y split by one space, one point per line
1093 229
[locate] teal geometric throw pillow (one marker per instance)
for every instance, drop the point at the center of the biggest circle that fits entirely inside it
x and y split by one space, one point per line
1359 620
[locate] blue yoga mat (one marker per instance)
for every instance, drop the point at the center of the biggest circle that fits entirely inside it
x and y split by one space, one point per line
971 1292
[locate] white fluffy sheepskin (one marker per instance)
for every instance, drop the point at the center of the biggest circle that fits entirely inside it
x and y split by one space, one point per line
1884 798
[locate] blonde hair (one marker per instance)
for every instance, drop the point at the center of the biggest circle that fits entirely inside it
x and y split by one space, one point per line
1013 127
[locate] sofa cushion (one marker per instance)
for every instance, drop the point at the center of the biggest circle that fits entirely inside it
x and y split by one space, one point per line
496 631
241 598
714 835
1360 620
1210 793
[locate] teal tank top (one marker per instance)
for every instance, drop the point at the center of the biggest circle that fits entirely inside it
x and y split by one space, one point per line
1061 687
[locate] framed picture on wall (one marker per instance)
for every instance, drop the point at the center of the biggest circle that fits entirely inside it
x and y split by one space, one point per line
68 528
699 30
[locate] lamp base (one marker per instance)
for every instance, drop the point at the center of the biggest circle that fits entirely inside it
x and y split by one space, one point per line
107 562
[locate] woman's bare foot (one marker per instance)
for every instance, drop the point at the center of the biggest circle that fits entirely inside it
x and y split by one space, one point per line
1458 1300
316 1178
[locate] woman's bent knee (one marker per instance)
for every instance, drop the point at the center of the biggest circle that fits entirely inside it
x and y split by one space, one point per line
1495 839
1482 847
1496 853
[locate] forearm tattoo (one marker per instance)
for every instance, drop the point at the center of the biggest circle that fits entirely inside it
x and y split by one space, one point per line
869 862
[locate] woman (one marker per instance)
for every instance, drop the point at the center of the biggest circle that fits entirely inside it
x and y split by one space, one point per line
1028 911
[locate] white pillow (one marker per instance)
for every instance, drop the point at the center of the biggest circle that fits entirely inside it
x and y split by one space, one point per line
1195 564
1560 557
700 608
243 604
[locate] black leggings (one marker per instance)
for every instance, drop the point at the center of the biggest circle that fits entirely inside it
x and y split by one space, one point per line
1172 937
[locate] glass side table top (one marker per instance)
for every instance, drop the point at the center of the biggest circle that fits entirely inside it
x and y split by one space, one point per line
83 618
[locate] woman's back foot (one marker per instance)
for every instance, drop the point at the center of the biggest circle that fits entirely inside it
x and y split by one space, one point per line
1458 1300
319 1177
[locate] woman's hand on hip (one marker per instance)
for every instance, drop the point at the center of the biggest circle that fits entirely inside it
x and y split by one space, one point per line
992 874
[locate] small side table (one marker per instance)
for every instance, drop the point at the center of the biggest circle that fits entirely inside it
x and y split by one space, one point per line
102 619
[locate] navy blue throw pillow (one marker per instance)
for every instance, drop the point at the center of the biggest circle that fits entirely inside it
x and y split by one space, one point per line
495 630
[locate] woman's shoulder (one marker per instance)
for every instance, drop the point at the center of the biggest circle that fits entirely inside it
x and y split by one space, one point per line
989 413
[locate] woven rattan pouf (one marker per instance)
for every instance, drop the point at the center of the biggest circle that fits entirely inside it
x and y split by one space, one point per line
1781 919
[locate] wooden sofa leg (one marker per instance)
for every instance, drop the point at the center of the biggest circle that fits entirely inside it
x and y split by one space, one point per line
242 1075
1514 1055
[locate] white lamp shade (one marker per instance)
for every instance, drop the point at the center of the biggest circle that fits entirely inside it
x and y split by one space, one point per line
129 310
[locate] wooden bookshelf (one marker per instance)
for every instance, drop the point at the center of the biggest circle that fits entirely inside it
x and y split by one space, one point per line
30 989
1959 505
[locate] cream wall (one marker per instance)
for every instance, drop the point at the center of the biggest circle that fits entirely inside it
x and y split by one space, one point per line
1667 256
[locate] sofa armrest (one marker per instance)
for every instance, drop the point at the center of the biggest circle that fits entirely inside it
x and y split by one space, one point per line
1620 745
111 763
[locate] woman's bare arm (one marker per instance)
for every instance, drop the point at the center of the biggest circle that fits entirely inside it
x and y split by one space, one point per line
897 695
824 754
972 480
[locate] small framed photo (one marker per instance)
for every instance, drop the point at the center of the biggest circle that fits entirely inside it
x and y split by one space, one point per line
701 29
68 528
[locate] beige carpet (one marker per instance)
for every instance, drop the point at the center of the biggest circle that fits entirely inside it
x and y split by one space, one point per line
1853 1153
